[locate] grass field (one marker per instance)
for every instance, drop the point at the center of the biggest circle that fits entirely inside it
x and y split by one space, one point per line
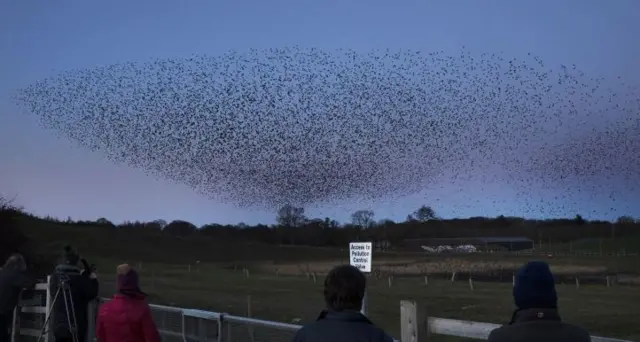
630 244
280 286
604 311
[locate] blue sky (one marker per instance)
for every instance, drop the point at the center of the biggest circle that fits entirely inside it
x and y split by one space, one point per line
50 175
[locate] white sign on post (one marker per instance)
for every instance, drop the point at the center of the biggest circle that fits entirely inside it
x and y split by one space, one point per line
360 255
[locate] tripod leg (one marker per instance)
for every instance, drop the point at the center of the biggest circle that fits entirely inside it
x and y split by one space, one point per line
45 326
71 316
76 337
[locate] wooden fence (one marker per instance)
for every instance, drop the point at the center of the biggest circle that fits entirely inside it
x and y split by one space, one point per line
36 309
415 324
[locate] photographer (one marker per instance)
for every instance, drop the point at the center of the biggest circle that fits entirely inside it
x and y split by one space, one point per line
13 279
83 286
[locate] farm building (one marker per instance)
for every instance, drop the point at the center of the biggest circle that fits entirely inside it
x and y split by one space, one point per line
481 243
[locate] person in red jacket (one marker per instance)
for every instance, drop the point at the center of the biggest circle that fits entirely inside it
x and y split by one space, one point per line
127 317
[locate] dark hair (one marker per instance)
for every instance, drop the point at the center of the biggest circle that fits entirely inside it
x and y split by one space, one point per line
344 288
71 257
15 262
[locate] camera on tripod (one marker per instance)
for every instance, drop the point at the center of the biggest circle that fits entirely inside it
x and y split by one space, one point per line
62 278
69 307
73 286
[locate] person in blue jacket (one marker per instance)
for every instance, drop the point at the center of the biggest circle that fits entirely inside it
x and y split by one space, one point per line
536 317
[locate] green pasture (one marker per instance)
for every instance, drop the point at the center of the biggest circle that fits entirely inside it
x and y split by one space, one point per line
605 311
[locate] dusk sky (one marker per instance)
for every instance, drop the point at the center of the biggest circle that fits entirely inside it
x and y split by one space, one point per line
51 175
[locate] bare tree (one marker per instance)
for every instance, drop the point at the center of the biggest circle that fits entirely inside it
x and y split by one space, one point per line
160 223
4 203
386 223
290 216
180 228
363 218
424 213
104 222
9 204
329 223
625 220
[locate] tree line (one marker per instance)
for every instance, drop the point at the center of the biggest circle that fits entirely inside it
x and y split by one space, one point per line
293 227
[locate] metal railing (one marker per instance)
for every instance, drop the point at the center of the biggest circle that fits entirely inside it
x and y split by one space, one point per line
190 325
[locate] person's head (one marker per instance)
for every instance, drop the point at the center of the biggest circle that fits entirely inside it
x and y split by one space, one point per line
15 262
535 287
70 256
344 288
127 279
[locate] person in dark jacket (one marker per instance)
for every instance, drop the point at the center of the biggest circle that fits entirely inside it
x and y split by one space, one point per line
537 318
13 279
83 286
344 289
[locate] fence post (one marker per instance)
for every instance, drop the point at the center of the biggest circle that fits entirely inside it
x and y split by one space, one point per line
414 324
92 311
183 325
202 330
250 328
365 300
15 323
221 327
49 302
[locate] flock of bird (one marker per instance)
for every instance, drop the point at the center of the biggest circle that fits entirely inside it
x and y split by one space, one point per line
266 127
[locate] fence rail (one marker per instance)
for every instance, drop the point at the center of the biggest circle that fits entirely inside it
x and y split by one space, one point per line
414 323
191 325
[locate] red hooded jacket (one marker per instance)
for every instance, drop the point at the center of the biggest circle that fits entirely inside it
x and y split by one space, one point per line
126 319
